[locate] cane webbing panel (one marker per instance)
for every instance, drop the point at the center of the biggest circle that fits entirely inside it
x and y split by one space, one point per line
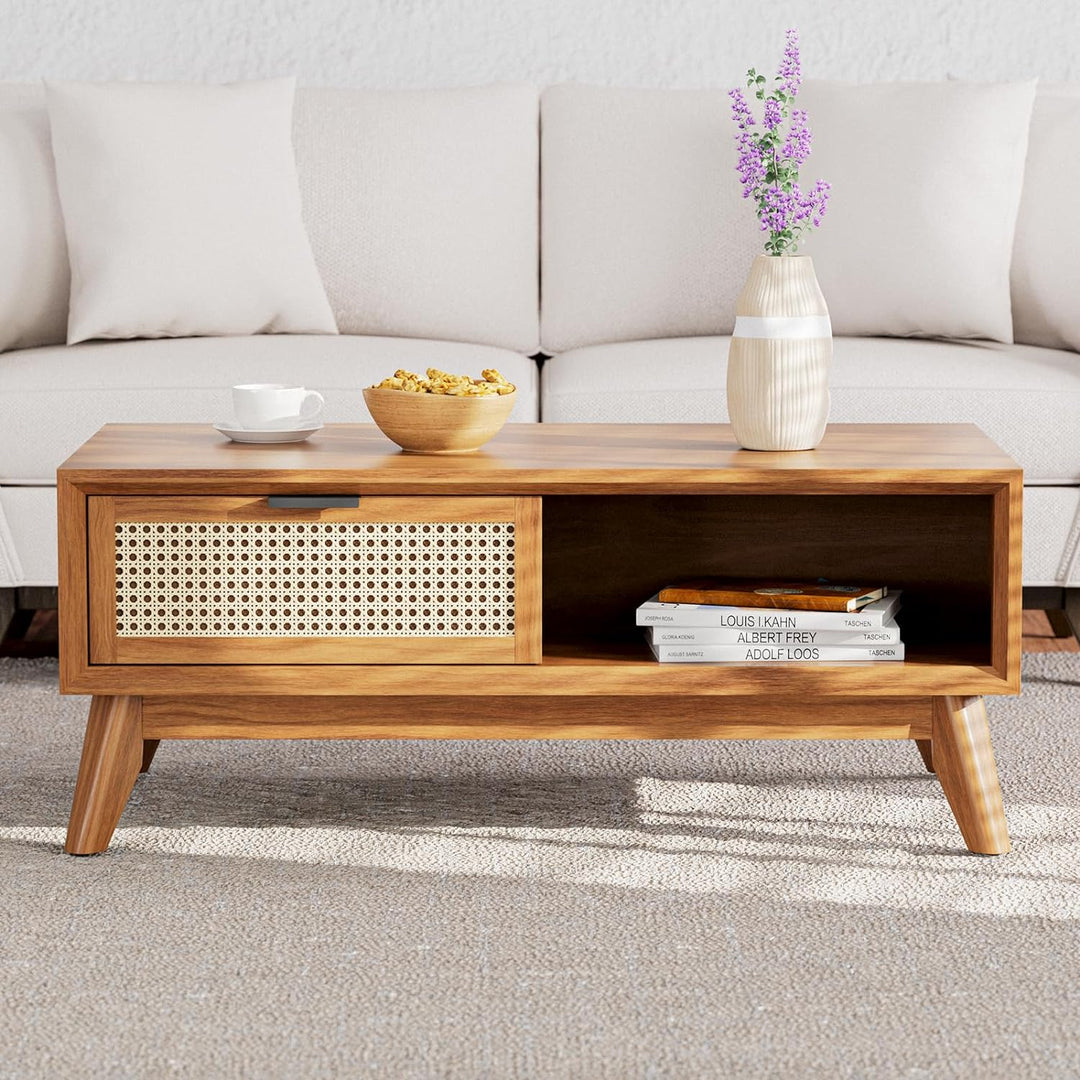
314 579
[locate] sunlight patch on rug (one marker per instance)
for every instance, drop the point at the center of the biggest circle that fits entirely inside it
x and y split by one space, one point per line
849 846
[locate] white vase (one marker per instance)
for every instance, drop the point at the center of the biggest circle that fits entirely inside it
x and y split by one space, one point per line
778 366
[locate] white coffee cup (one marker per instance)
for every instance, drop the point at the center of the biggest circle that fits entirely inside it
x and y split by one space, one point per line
275 405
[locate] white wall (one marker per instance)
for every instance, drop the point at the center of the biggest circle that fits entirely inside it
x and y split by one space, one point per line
447 42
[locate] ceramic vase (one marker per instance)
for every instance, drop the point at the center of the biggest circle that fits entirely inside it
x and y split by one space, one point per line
778 366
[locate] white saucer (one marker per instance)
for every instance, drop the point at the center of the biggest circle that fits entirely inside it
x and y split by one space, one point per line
233 430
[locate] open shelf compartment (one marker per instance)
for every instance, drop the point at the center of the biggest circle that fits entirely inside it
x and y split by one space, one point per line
605 555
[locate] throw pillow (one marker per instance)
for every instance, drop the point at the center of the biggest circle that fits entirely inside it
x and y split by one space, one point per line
182 211
926 181
1045 273
34 278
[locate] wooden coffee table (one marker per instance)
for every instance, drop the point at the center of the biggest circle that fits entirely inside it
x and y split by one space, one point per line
341 589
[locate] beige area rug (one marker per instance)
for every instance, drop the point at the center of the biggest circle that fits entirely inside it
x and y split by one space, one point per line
577 910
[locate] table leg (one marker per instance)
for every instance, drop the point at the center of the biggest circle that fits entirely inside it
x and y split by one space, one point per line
926 751
149 749
964 761
112 755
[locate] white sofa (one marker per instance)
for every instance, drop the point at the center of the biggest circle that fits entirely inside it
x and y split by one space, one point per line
437 230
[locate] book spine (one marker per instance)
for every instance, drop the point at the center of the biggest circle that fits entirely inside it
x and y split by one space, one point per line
745 619
699 635
788 602
766 654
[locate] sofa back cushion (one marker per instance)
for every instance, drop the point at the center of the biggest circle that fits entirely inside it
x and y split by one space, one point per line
645 233
34 276
1045 269
421 207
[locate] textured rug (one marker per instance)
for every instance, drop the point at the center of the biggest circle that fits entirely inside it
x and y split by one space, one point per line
578 910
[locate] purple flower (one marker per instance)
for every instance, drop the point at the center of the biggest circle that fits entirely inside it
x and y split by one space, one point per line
789 74
769 156
819 198
799 139
778 208
809 206
751 163
740 110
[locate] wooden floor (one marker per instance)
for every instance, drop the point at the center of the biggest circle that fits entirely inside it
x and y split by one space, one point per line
35 634
1038 637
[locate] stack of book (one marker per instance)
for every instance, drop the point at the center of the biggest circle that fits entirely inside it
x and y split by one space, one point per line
721 621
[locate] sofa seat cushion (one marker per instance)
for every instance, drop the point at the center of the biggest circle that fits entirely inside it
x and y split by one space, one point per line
1025 398
52 399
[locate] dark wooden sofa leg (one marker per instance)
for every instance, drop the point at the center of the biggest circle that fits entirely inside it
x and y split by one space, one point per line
1071 599
7 610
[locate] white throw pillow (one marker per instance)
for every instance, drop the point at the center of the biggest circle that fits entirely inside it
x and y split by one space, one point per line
182 211
34 278
1045 271
926 181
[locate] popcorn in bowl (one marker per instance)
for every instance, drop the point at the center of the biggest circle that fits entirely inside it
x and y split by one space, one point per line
491 384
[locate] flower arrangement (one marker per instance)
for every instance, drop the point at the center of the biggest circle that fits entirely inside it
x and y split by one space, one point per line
770 155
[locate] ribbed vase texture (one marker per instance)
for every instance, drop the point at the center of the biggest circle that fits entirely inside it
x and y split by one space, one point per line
778 366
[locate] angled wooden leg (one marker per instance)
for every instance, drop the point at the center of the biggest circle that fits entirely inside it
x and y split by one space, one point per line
926 751
964 760
112 755
149 749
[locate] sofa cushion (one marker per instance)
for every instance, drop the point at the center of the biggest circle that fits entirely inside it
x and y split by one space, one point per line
422 210
52 399
645 233
1025 398
27 536
421 207
926 182
182 210
34 277
1045 271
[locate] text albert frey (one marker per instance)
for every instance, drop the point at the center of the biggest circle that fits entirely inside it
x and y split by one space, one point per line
767 637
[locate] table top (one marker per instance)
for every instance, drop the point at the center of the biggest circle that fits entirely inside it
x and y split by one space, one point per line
528 459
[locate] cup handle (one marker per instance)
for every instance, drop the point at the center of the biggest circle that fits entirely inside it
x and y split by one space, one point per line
313 405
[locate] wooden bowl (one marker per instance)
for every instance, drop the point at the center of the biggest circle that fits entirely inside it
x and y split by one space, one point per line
438 423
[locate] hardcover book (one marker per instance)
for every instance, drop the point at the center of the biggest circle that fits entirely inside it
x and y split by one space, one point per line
655 613
773 654
788 595
886 634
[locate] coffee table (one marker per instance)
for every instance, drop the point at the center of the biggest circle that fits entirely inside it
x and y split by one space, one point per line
341 589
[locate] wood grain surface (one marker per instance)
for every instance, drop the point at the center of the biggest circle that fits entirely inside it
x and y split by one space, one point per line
112 756
567 670
963 759
434 717
539 459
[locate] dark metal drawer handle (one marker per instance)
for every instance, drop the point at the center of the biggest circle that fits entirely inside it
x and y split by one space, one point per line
313 502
